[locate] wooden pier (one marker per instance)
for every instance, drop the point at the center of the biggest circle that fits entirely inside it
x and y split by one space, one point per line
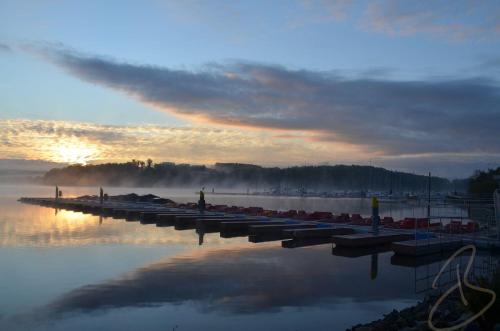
216 223
426 246
314 236
296 243
350 240
369 239
326 232
241 228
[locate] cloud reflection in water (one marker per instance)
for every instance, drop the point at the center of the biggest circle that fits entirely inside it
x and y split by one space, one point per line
244 280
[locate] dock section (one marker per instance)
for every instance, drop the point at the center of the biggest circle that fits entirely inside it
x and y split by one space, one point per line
369 239
350 239
322 232
426 246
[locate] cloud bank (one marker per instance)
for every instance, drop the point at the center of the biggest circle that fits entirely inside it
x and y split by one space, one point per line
386 116
95 143
60 140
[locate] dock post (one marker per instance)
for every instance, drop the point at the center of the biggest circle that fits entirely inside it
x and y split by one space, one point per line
101 195
201 202
375 216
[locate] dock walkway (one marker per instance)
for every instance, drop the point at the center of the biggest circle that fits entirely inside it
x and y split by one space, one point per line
294 232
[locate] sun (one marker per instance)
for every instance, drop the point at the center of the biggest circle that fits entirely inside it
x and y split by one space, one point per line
74 151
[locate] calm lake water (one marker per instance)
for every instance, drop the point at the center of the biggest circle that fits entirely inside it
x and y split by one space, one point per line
71 271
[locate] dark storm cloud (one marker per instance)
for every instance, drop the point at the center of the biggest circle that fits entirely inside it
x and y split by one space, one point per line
242 281
394 117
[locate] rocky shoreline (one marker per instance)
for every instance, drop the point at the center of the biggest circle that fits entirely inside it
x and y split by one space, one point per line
450 313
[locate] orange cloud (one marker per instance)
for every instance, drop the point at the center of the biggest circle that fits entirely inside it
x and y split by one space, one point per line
77 142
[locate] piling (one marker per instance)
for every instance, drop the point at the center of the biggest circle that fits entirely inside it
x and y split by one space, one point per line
375 216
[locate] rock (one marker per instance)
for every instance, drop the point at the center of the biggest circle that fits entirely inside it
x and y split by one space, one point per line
421 326
401 322
414 318
363 328
472 327
462 317
446 314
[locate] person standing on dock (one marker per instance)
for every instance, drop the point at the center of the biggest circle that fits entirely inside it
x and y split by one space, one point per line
101 195
375 216
201 202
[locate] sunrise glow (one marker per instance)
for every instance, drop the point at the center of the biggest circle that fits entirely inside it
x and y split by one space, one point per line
73 151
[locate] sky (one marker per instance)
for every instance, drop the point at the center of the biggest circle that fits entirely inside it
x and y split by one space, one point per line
406 85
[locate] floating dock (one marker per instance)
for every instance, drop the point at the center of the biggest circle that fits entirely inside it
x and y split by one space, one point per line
263 233
351 240
188 222
426 246
315 236
241 228
296 243
369 239
324 232
267 229
216 223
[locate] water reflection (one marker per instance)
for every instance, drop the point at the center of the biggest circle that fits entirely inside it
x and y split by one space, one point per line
232 277
374 266
240 280
30 225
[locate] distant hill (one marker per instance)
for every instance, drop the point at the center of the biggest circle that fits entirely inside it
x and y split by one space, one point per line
325 178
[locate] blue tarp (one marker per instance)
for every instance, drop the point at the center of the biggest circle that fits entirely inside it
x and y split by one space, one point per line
424 235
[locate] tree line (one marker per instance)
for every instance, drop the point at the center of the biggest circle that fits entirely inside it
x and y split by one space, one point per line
484 183
324 177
